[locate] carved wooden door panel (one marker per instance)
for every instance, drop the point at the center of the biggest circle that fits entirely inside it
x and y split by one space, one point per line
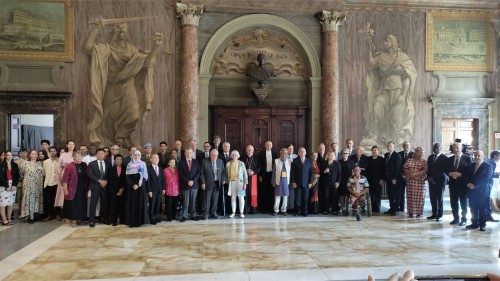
241 126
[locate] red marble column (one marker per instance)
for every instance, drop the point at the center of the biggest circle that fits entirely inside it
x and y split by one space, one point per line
330 106
189 88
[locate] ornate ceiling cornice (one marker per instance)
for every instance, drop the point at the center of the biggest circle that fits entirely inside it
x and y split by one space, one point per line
302 7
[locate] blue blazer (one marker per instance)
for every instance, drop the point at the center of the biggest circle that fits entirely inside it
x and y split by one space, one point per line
480 179
301 173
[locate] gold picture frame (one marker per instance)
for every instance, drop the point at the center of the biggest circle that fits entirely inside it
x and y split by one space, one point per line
40 30
459 41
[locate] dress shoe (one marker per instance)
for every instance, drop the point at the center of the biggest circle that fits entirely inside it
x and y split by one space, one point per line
482 228
455 221
232 215
432 217
114 224
58 218
195 219
92 224
472 226
439 219
153 223
214 217
30 221
462 223
183 220
49 218
491 219
284 214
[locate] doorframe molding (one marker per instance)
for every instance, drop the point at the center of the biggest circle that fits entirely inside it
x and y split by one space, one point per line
32 102
269 21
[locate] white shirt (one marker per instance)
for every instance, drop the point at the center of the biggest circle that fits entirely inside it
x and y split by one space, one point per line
269 161
87 159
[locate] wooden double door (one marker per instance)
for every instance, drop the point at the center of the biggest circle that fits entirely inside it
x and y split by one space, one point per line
241 126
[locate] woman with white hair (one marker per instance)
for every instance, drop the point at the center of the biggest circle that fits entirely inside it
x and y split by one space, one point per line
238 180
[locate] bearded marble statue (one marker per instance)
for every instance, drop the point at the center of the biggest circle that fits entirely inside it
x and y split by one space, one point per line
388 107
121 85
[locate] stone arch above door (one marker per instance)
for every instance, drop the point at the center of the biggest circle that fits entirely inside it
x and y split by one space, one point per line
312 68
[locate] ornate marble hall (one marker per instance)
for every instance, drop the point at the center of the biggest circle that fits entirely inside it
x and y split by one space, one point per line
134 72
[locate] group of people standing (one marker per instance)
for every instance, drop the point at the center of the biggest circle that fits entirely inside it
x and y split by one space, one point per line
102 185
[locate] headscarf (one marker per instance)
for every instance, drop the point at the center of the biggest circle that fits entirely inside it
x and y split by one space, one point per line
137 167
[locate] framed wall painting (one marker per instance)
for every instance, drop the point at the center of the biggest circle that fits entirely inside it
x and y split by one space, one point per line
39 30
459 41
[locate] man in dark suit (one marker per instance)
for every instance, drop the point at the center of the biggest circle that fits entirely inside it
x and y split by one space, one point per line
266 189
163 154
98 173
189 174
401 181
478 176
392 172
436 175
207 147
321 154
253 169
301 175
217 143
197 154
360 159
213 177
224 155
456 167
155 188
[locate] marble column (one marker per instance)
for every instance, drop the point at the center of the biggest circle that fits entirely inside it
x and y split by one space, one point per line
189 16
330 105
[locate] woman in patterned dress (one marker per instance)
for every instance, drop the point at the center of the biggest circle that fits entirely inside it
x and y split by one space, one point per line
415 170
238 180
32 187
316 172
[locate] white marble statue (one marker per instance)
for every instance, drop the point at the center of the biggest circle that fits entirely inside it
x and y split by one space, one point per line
388 107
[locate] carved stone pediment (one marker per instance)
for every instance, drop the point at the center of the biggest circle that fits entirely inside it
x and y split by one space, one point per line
240 54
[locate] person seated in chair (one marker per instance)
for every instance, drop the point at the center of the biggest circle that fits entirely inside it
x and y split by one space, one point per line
358 187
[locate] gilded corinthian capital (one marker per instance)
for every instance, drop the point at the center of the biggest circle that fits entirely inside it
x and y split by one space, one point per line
189 14
331 20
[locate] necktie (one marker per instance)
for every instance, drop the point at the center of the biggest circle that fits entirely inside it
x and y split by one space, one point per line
457 162
302 159
156 170
477 167
214 168
227 156
101 169
435 157
189 165
406 155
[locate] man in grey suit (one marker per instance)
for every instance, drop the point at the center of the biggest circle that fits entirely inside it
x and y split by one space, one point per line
213 176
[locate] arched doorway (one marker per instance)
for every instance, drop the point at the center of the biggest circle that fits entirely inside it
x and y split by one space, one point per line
233 48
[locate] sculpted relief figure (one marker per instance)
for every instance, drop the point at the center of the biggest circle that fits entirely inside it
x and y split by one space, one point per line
388 107
121 84
261 74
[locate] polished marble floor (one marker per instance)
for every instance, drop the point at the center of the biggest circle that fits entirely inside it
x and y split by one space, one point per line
291 248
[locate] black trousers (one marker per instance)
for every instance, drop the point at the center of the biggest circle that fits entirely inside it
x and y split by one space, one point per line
171 206
114 207
95 194
301 198
436 191
324 199
154 206
376 195
266 194
393 194
402 188
49 198
210 200
458 194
